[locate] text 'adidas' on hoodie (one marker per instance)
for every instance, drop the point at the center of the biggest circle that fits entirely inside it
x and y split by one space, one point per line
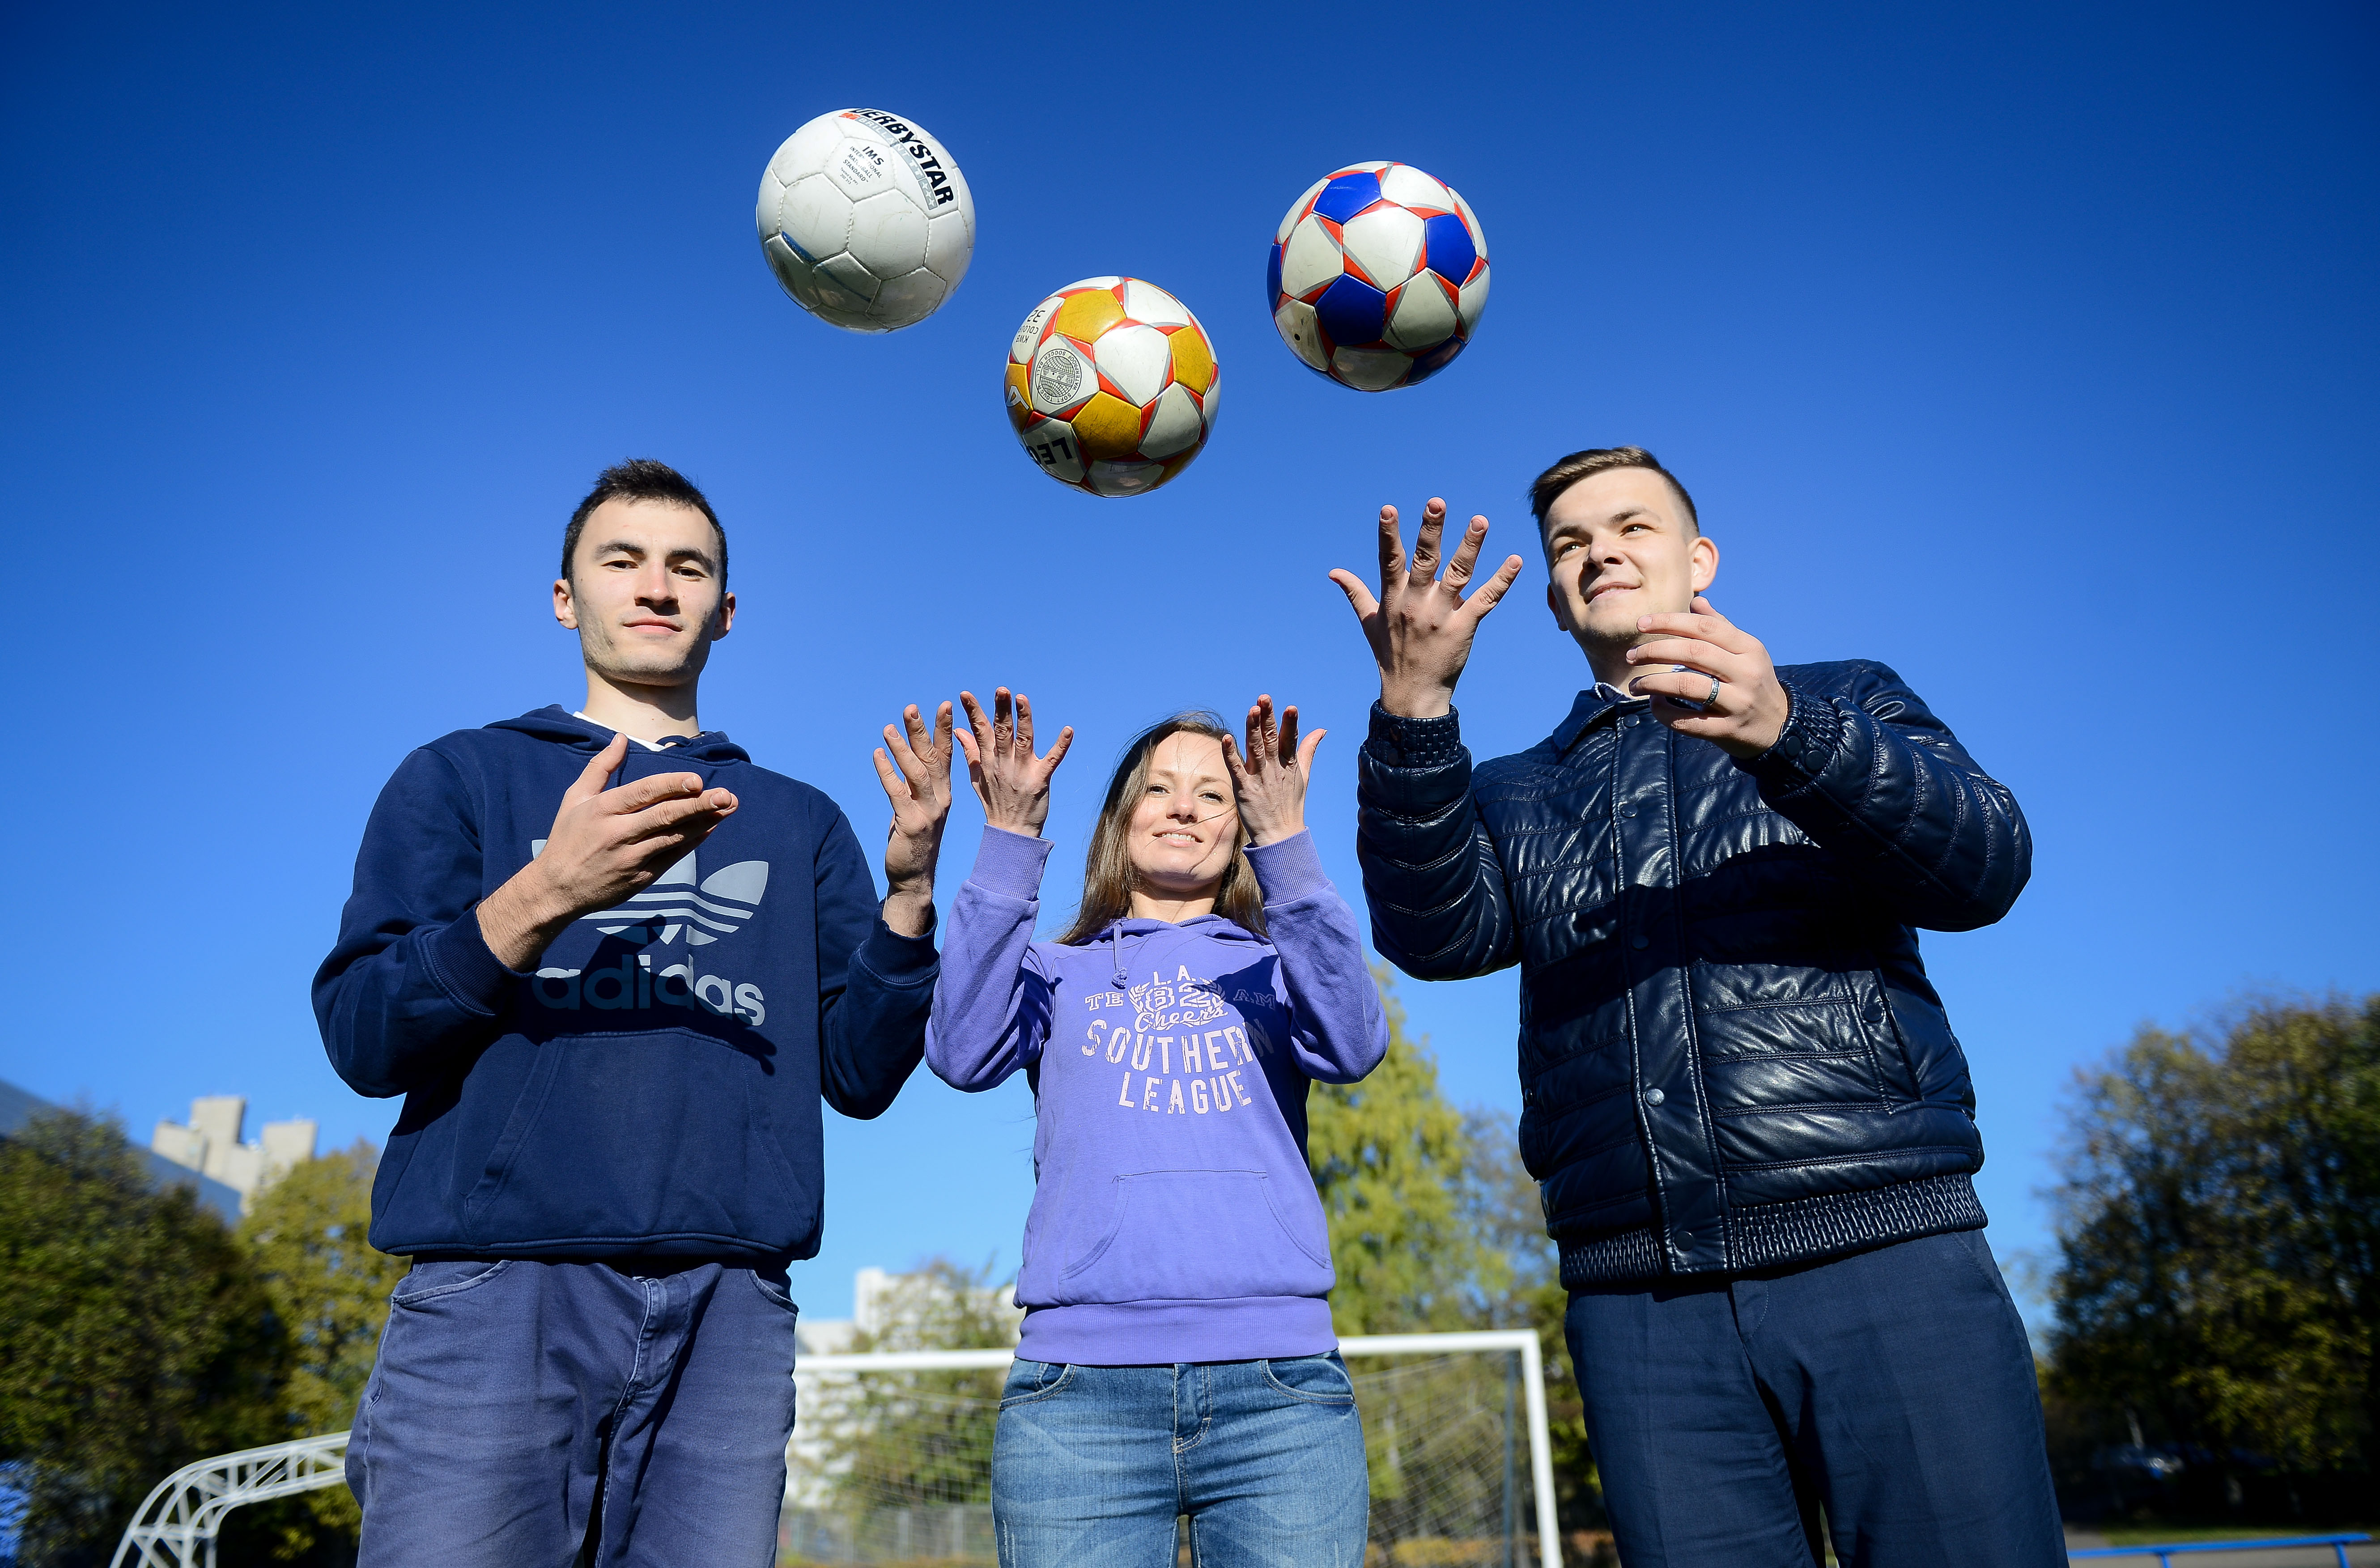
653 1089
1173 1216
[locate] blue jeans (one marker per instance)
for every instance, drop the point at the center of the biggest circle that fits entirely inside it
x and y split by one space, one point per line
521 1411
1895 1388
1092 1465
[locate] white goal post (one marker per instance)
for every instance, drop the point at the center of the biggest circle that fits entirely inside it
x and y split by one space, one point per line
176 1527
1520 1342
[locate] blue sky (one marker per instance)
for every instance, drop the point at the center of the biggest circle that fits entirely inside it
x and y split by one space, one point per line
2031 349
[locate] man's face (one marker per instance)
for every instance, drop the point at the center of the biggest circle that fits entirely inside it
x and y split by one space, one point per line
1617 546
644 593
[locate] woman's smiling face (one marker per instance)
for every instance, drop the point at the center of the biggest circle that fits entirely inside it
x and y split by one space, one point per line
1185 825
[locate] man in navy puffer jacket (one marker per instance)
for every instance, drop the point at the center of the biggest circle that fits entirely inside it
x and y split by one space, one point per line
1754 1128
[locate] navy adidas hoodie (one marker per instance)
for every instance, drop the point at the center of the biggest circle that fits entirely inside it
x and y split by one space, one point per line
653 1089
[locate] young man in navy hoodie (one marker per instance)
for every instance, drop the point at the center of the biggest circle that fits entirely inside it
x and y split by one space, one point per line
613 968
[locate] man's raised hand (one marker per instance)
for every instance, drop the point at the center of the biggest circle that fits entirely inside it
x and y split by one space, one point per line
1421 625
1705 658
1013 784
604 845
1270 778
913 766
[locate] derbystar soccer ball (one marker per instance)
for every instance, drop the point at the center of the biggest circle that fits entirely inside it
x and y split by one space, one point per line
866 220
1378 276
1112 385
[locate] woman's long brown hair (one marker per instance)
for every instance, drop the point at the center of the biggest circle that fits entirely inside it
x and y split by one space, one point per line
1107 870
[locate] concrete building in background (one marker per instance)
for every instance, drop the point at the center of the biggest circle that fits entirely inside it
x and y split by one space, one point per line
211 1145
18 1106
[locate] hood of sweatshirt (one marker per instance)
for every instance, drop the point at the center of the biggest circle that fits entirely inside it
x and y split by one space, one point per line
554 722
1126 940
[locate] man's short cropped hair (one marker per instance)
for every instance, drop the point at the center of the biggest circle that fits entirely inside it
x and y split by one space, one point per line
641 479
1595 460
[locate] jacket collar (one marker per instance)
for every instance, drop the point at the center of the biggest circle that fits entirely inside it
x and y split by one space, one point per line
1596 704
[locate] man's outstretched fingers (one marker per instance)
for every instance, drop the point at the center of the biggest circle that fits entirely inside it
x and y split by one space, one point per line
1467 554
589 783
1425 551
638 794
1358 595
1393 547
1490 593
669 816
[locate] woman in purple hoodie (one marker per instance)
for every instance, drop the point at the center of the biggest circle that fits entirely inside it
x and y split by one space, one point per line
1177 1355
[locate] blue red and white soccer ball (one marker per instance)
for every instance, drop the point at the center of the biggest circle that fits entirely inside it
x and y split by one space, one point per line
1378 276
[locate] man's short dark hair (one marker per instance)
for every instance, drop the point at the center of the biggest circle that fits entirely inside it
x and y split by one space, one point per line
641 479
1595 460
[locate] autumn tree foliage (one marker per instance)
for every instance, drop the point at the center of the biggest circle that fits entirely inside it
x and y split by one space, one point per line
304 1238
2219 1232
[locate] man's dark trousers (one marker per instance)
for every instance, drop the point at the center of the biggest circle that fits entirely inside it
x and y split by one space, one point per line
1894 1388
527 1414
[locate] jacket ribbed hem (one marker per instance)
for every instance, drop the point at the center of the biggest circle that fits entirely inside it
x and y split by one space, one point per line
1804 1231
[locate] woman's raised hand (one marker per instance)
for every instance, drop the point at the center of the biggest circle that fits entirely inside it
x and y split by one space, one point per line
1270 779
1013 784
915 769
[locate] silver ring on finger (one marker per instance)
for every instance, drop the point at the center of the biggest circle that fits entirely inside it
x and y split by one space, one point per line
1712 700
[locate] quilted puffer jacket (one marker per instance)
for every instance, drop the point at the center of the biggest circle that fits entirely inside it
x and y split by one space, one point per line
1731 1056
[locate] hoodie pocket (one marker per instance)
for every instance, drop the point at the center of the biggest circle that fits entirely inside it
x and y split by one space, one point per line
1199 1236
637 1137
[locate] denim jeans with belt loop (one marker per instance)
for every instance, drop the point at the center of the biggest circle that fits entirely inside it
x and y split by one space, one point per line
535 1414
1092 1465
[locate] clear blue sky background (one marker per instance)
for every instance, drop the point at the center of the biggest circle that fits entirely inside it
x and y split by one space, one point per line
2033 349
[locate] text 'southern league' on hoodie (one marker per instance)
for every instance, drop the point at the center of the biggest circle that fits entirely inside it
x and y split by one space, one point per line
1173 1217
653 1089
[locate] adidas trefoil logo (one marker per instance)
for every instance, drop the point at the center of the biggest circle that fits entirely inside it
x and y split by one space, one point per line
683 900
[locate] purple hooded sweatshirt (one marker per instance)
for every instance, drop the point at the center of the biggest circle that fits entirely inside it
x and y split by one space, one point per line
1173 1217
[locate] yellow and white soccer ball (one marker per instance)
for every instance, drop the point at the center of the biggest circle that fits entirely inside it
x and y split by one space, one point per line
866 220
1111 386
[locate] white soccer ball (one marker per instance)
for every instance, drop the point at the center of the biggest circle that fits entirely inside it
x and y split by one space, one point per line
865 221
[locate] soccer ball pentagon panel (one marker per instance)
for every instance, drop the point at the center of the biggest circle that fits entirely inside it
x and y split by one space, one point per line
1378 276
1111 386
866 220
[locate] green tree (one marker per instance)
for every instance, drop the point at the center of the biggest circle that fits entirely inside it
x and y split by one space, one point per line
1499 1203
903 1439
329 1288
1435 1225
2219 1231
134 1334
1390 1157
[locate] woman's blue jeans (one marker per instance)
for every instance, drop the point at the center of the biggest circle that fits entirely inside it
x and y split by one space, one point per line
1092 1465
